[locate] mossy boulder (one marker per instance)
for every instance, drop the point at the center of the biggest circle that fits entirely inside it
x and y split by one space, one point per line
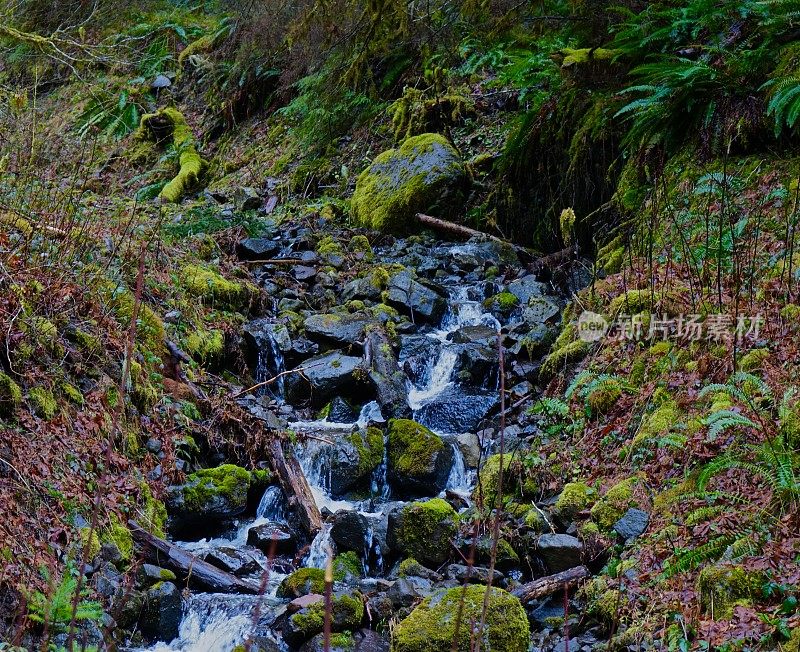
613 505
205 345
424 530
659 422
211 287
488 485
574 498
723 587
302 582
209 495
431 627
10 395
421 175
419 460
347 611
354 458
43 402
562 356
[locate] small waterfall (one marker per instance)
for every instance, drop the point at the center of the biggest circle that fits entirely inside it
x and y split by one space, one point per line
373 559
272 506
319 550
439 380
270 364
379 487
370 413
460 479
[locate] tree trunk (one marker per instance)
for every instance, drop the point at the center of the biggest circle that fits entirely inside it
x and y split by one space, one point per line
198 572
296 488
550 584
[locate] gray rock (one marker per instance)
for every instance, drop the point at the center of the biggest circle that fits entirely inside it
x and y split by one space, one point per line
421 302
338 328
476 575
526 288
303 272
162 612
150 574
349 530
257 248
247 199
352 460
480 334
215 503
406 591
427 476
458 409
416 352
270 537
233 561
470 446
632 524
161 81
323 377
386 375
361 288
341 411
560 552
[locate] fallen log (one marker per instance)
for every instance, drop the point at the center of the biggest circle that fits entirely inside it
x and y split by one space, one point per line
295 488
550 584
199 572
456 229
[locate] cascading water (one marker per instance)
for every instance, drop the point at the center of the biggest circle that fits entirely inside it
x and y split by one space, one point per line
270 364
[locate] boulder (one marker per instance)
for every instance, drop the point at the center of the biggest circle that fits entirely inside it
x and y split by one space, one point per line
162 612
386 375
416 352
431 627
353 458
347 611
421 302
560 552
632 524
343 329
209 496
269 537
257 249
233 561
458 409
526 288
340 411
423 530
323 377
422 175
419 461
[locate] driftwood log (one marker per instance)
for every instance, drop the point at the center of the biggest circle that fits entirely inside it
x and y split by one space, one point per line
187 565
295 488
550 584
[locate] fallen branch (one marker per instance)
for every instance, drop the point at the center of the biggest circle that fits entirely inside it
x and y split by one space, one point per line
281 261
296 488
269 381
550 584
456 229
188 565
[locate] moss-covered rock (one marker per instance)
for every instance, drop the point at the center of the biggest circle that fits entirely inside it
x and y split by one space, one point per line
561 357
121 537
423 530
419 460
489 480
753 360
601 399
602 599
209 494
10 395
723 587
43 402
631 302
302 582
431 627
659 422
347 611
574 498
369 445
613 505
210 286
415 177
152 513
204 345
502 302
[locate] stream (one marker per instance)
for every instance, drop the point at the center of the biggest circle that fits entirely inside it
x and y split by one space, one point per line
451 387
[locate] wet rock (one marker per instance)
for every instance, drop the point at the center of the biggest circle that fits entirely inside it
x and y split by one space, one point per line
420 302
337 328
416 352
323 377
477 365
233 561
353 459
538 311
419 461
247 199
458 409
386 375
361 288
423 530
162 612
340 411
149 575
347 612
349 530
424 173
262 336
257 249
381 608
343 642
304 601
526 288
368 640
300 350
505 557
209 496
475 575
560 552
633 523
469 444
480 334
272 536
406 591
303 272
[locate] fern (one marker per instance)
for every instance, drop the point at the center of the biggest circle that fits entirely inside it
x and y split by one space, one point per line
56 609
722 420
685 559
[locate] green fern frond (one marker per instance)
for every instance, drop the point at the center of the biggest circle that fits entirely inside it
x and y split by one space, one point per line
723 420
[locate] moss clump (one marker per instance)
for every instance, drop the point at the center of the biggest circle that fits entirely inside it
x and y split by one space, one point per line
412 448
489 480
410 567
369 445
152 513
205 346
72 393
424 530
631 302
10 395
86 341
360 244
89 538
566 222
560 357
638 371
533 519
580 56
404 181
666 417
574 498
753 360
613 505
431 627
327 246
121 537
347 612
791 312
208 285
602 600
228 481
43 402
302 582
601 399
723 587
171 121
44 333
347 564
150 333
504 302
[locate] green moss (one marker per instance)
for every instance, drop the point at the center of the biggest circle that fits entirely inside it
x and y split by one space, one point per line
793 644
72 393
431 627
489 480
93 542
208 285
44 333
603 601
347 614
191 164
204 345
533 519
410 567
150 333
665 418
723 587
574 497
152 512
327 246
412 448
577 57
121 537
86 341
566 222
753 360
701 515
425 529
342 642
631 302
604 397
10 395
302 582
228 480
369 444
791 312
43 402
560 357
638 371
396 186
613 505
504 301
360 244
347 564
